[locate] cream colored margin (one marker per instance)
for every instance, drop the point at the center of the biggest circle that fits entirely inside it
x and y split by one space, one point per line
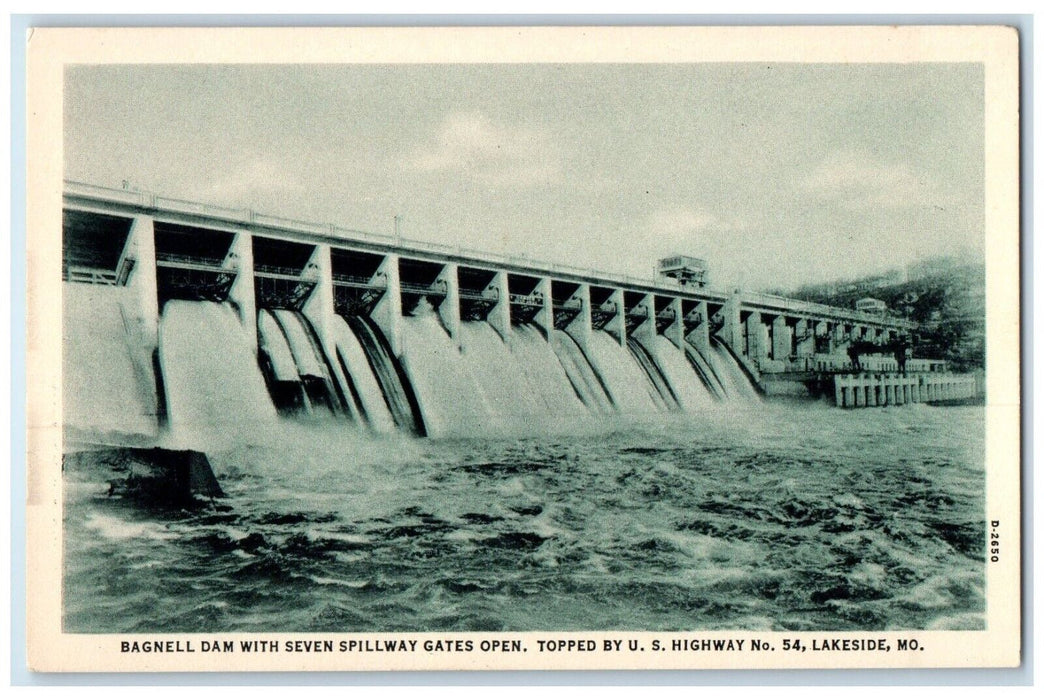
49 50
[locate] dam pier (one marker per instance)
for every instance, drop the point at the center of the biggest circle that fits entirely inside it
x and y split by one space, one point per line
183 313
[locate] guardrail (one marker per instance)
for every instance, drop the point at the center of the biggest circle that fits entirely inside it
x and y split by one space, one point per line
148 201
88 275
189 260
354 281
438 290
526 299
814 308
283 272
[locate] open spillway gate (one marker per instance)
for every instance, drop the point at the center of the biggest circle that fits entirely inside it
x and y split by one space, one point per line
167 249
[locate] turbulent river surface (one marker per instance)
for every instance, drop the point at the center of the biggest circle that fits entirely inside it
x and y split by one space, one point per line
768 516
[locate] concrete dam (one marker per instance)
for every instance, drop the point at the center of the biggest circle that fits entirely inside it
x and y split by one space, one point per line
181 317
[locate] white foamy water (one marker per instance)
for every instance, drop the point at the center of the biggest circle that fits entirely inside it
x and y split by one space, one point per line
732 377
580 373
309 364
663 389
390 375
211 375
273 344
452 402
628 386
694 355
353 359
535 358
791 517
487 385
522 380
107 383
690 392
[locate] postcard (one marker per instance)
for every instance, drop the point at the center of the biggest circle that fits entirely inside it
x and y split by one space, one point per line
523 348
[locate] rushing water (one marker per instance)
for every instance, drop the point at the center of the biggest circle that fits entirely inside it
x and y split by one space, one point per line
358 380
585 382
684 382
210 373
107 378
566 487
628 385
794 516
729 372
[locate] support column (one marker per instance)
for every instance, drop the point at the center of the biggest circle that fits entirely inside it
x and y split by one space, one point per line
806 344
757 337
700 335
647 328
839 339
319 307
141 248
782 339
617 325
500 315
449 309
733 328
545 317
388 311
676 331
241 295
580 327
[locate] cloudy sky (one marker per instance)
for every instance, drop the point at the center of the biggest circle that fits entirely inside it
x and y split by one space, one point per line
777 174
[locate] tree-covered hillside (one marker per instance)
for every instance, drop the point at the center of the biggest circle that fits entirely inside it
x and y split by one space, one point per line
949 302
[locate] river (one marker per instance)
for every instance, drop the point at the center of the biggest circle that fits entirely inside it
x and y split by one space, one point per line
774 516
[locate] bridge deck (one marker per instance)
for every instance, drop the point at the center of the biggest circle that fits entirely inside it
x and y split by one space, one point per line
225 218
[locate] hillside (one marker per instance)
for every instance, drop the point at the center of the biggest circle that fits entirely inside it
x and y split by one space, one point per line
948 301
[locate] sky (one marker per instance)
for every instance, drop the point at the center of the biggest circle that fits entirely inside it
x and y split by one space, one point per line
777 174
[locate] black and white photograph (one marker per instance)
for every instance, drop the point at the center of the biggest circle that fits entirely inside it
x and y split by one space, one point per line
447 358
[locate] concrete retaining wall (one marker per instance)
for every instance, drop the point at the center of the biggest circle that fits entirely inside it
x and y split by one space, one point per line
863 390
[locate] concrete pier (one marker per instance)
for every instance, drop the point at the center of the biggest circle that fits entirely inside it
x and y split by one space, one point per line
866 390
388 310
579 326
449 309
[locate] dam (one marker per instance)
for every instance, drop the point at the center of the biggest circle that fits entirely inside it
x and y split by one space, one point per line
186 317
241 395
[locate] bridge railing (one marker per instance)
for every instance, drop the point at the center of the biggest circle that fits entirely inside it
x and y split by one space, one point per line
535 299
188 207
815 308
189 260
536 266
304 275
89 275
147 200
357 281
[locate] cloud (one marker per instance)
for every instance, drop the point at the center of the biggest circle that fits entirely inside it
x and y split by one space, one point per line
469 143
254 183
854 179
681 224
